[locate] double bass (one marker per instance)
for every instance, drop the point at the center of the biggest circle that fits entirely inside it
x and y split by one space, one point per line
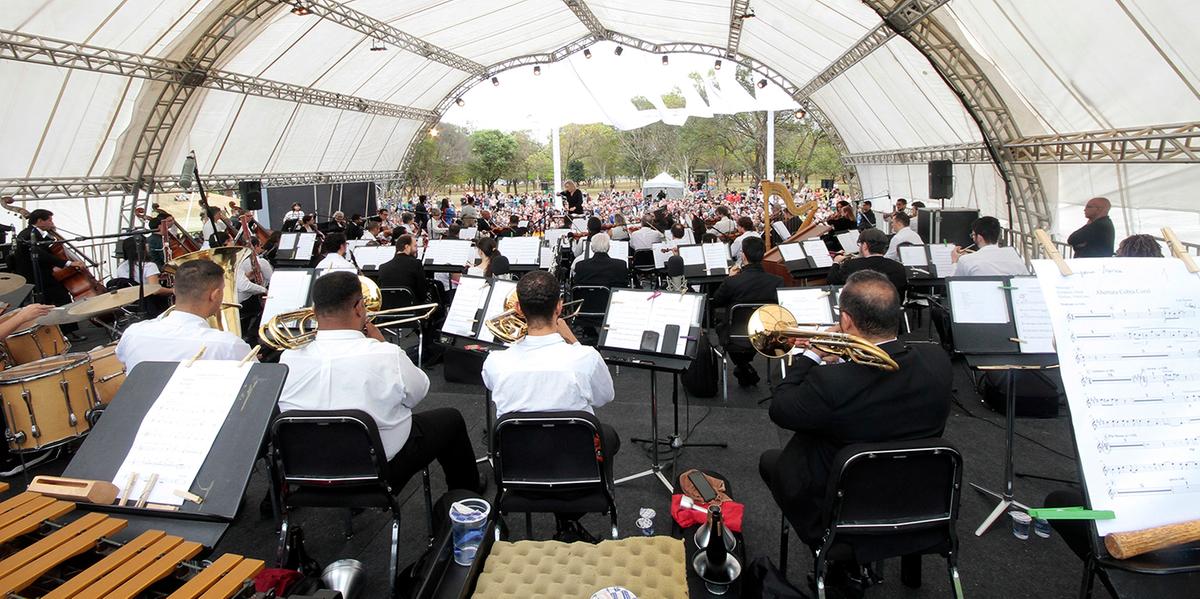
79 281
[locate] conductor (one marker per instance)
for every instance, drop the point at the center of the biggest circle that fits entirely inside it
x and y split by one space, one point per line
573 197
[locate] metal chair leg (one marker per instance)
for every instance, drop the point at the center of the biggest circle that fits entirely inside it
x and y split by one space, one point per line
783 543
725 377
420 347
282 550
428 501
956 582
1089 576
394 562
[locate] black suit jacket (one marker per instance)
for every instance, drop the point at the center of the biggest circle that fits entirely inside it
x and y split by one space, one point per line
353 231
23 260
893 270
750 286
404 271
1094 240
601 270
830 407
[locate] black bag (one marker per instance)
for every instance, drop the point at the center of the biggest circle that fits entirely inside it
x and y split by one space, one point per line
700 379
1037 392
764 580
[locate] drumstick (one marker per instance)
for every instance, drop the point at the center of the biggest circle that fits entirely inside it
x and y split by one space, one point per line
1124 545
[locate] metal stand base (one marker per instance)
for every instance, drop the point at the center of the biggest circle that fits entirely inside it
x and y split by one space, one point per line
656 466
1000 509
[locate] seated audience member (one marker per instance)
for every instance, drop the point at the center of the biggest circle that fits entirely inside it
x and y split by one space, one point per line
348 366
872 243
901 234
334 250
601 269
832 405
751 285
180 335
1139 246
990 258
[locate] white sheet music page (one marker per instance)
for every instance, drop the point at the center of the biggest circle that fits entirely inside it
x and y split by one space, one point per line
495 305
287 241
978 302
468 233
913 255
661 252
791 252
373 256
553 235
848 241
808 305
631 313
305 243
1128 336
455 252
780 229
521 250
179 429
716 256
691 254
940 255
815 248
619 249
460 317
545 257
1031 316
287 291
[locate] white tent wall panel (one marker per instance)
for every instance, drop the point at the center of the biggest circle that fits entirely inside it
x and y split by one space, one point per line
80 217
29 93
117 130
78 130
665 21
129 25
427 88
975 186
306 59
349 131
304 140
1158 187
251 137
799 39
202 127
484 31
391 153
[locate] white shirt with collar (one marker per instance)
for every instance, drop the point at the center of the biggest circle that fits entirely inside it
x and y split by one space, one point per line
724 226
735 248
904 235
346 370
245 287
125 270
991 260
176 337
335 261
644 238
544 373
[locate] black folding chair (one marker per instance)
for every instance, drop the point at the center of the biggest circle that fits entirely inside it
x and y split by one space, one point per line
643 265
403 297
594 307
734 334
896 499
551 462
334 459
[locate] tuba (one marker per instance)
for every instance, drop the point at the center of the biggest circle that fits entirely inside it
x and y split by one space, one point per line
509 325
772 327
295 329
228 258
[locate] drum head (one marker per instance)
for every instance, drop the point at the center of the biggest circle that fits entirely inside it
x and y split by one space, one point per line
43 367
103 351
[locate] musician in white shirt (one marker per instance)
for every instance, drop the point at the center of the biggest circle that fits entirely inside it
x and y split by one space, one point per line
179 336
990 259
725 225
350 367
902 234
745 228
645 237
334 248
245 287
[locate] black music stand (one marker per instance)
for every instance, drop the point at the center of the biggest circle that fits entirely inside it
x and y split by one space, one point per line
226 471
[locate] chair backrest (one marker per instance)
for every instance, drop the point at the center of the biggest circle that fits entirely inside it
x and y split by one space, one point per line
328 448
643 260
545 450
738 321
595 299
397 297
889 488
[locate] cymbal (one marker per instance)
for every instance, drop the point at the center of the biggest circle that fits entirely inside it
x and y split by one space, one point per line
10 282
107 302
59 315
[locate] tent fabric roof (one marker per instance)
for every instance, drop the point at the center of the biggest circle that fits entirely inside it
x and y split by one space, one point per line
1058 67
663 180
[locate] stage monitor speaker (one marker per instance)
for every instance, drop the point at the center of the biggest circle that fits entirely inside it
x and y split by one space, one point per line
827 184
941 179
251 192
946 225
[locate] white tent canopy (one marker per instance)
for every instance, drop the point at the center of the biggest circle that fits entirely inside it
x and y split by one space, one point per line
1042 104
665 183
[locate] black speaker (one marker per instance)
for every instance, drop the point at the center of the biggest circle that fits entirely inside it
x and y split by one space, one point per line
941 179
827 184
251 192
946 225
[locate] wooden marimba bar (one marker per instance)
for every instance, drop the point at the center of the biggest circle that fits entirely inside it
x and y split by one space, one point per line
76 561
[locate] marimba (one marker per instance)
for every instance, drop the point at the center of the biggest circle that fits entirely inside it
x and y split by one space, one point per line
42 558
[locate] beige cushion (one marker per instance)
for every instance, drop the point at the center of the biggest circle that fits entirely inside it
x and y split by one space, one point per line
650 567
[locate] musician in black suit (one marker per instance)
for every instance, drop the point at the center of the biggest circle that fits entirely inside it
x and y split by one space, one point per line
834 405
872 243
404 270
601 269
751 285
41 223
354 229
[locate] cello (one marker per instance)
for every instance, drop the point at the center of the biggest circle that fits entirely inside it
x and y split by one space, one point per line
79 281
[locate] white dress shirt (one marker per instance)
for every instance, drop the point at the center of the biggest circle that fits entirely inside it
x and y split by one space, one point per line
644 238
335 261
176 337
346 370
544 373
295 215
735 248
724 226
122 271
991 260
245 287
904 235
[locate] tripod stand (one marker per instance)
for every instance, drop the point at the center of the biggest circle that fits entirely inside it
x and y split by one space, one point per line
674 440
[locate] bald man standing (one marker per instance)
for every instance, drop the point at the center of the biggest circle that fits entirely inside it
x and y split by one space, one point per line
1096 238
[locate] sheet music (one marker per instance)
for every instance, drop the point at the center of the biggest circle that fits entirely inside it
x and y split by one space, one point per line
1128 336
791 252
1031 316
716 256
978 302
305 243
619 249
692 255
941 256
460 317
815 248
546 257
287 291
688 236
661 252
454 252
495 306
373 256
913 255
523 224
521 250
178 431
807 304
553 235
287 241
631 313
468 233
353 244
848 241
781 229
579 225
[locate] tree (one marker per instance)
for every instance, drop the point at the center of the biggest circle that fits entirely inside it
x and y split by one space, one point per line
439 161
575 170
602 152
520 168
492 153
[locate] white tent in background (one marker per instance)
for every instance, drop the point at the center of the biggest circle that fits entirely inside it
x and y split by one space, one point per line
665 183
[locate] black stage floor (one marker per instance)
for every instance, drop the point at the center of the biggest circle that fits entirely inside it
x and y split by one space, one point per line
995 565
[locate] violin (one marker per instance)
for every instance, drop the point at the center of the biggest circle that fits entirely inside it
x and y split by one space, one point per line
79 281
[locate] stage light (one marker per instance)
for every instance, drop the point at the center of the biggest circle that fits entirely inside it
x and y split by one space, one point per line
460 102
587 52
762 83
495 81
434 132
800 113
665 60
300 9
618 51
717 65
377 45
537 71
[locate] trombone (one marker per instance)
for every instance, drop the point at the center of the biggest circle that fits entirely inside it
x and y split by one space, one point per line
772 327
297 328
509 326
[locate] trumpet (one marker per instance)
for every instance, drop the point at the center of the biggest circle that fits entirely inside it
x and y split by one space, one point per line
297 328
772 327
509 326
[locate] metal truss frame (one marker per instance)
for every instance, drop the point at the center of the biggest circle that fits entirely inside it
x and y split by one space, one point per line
57 188
737 9
587 17
1178 143
959 153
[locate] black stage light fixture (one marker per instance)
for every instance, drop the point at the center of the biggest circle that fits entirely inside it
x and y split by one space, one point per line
460 102
618 51
537 71
762 83
300 9
666 59
587 52
717 65
495 81
800 113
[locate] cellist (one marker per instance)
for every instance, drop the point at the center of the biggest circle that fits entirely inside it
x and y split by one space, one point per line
41 223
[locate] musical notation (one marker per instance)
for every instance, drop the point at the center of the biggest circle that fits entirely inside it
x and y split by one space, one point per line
1119 443
1144 399
1171 466
1099 423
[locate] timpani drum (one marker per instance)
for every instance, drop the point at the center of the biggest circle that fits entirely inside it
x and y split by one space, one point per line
108 373
46 403
35 343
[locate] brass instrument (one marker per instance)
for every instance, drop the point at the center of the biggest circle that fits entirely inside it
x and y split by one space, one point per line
772 327
228 259
509 326
295 329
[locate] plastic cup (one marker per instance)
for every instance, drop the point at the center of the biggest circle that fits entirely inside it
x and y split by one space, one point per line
1041 527
467 520
1020 524
647 513
646 526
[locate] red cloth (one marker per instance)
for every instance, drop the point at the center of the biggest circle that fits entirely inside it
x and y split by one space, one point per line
731 511
277 579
